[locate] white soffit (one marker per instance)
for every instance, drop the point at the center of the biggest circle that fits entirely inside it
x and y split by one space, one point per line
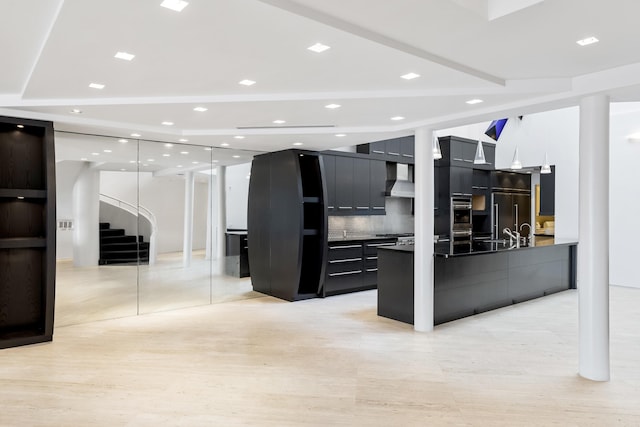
494 9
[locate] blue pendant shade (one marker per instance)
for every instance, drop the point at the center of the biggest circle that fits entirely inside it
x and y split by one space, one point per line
495 129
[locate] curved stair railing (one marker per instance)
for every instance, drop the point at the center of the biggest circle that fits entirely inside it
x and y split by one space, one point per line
137 210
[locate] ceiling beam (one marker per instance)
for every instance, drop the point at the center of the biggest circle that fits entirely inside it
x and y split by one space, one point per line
356 30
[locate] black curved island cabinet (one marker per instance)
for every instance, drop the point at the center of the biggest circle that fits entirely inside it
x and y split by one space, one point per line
287 224
27 231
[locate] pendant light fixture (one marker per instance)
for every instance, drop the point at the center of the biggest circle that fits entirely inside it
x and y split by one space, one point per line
437 154
515 164
546 168
479 159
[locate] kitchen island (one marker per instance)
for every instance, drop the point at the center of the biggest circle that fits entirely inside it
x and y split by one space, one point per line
487 276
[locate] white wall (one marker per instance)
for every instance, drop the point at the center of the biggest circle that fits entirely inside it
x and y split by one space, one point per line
164 196
237 195
624 197
67 173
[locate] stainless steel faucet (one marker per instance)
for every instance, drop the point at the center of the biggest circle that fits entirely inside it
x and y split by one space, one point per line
513 235
529 236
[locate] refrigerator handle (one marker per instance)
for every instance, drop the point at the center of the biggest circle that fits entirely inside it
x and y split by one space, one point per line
515 218
495 221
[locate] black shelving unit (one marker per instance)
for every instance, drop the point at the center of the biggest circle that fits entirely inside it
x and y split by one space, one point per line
27 231
287 224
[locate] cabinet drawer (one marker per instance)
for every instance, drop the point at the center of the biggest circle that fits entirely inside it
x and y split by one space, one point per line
345 251
344 267
371 248
343 283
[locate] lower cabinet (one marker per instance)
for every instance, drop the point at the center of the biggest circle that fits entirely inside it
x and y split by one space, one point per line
353 265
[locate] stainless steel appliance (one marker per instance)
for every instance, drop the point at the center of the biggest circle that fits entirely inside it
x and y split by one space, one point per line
461 223
510 210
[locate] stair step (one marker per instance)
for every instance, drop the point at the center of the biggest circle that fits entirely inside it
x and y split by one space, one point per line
112 232
122 246
130 255
105 225
117 239
123 261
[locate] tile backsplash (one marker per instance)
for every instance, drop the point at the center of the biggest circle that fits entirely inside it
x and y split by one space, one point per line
398 219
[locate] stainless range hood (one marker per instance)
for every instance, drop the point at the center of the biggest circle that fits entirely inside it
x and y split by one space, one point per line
400 181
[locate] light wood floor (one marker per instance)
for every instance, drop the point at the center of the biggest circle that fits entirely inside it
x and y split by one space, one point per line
324 362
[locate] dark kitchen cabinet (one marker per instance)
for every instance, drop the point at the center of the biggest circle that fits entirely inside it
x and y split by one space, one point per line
237 254
330 182
377 182
461 181
344 186
393 149
510 181
27 231
287 224
361 186
407 148
457 151
548 193
397 150
481 193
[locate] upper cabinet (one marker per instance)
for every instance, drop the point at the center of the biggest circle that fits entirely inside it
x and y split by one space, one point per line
355 185
461 152
547 193
398 150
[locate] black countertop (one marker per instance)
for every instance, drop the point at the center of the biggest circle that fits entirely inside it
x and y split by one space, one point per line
478 248
363 237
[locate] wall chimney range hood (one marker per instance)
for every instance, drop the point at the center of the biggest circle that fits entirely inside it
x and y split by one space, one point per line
400 181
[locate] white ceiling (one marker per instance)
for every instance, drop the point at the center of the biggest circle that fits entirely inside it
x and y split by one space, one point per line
520 62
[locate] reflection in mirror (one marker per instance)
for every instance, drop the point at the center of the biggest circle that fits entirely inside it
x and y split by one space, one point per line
96 268
174 192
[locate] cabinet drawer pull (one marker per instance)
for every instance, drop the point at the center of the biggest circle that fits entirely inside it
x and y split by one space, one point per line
337 261
457 159
378 208
344 273
381 244
330 207
468 160
408 155
370 258
345 207
345 247
362 207
393 154
371 270
378 152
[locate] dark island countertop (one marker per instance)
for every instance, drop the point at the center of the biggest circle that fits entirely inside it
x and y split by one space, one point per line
477 248
363 237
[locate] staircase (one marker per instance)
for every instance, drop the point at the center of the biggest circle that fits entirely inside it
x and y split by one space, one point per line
118 248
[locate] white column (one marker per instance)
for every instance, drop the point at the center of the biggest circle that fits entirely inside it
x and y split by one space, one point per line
86 214
593 247
221 214
209 243
187 245
424 223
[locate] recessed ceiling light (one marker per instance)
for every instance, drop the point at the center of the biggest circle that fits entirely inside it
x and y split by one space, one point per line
340 135
107 151
224 144
123 169
175 5
166 155
297 143
184 152
474 101
410 76
587 41
132 161
84 159
179 166
124 55
279 122
151 160
96 86
239 137
20 126
136 135
195 163
122 140
95 154
236 156
332 106
396 118
319 48
246 82
183 140
200 109
167 123
76 111
207 148
215 161
145 164
168 145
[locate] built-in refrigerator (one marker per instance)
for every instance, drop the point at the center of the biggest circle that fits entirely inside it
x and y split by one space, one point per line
510 210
